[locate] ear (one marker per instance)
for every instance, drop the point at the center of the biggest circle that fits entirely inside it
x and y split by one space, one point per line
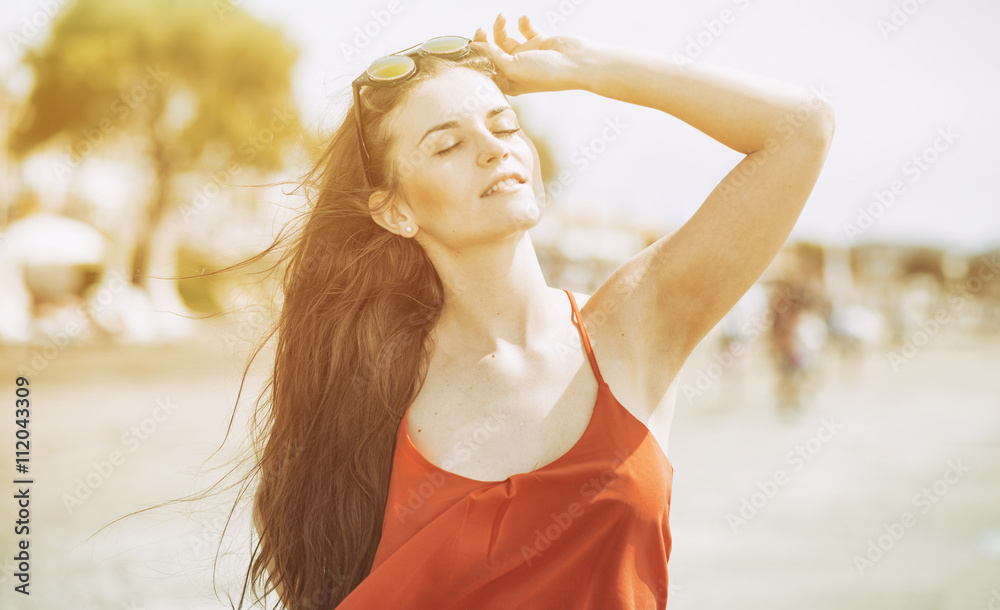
394 217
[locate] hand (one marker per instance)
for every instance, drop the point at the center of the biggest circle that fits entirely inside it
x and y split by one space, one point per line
540 63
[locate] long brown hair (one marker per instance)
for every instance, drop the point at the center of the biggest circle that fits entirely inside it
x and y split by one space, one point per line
351 352
352 341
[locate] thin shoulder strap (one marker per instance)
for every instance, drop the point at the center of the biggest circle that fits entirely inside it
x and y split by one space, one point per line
586 339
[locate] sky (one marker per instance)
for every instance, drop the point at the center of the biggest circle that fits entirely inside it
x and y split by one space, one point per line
915 86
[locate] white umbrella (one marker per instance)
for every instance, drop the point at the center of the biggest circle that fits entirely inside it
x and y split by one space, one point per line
50 239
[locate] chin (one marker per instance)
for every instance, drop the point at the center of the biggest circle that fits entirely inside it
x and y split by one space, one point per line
527 214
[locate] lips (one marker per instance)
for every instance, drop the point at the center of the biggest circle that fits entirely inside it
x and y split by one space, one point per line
501 179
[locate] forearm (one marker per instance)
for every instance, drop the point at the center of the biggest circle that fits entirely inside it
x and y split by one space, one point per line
738 109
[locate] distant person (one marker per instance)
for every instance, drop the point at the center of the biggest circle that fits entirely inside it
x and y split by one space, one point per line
446 453
798 336
853 328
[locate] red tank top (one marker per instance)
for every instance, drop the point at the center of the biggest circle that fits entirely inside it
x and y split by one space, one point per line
588 530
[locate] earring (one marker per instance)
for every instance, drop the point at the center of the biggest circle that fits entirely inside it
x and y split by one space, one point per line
409 229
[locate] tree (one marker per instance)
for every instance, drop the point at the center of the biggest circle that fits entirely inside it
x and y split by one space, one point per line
195 87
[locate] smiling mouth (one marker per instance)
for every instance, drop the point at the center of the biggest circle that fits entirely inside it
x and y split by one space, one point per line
510 184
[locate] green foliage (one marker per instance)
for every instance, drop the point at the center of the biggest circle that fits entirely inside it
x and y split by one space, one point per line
184 77
200 294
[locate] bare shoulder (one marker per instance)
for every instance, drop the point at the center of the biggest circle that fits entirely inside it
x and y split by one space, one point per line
620 340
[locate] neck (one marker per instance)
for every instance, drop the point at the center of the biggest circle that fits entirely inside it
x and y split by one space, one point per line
494 293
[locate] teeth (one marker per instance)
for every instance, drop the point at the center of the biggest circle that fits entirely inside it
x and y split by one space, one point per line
501 184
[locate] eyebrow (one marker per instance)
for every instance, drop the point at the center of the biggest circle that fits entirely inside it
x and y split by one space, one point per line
452 124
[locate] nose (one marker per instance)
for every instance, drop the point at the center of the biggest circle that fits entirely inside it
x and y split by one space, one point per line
491 148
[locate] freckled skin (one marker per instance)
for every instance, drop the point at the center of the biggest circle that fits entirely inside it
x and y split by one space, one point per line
442 198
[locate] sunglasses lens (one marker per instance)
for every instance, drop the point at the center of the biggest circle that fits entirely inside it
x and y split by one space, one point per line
446 46
390 68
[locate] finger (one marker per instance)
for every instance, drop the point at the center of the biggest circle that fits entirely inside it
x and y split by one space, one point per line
527 28
499 58
503 41
502 62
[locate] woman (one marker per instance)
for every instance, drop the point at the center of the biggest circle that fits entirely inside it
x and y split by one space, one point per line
432 442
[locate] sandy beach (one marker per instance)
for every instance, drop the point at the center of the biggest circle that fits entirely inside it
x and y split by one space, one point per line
882 493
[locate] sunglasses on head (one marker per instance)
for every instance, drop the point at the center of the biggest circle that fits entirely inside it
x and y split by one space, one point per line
396 68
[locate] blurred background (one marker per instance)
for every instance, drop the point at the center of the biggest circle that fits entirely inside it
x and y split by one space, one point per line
836 441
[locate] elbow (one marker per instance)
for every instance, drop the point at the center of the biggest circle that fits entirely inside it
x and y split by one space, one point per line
827 122
808 121
808 118
820 123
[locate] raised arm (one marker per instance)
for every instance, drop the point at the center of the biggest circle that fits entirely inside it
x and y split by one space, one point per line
682 285
663 301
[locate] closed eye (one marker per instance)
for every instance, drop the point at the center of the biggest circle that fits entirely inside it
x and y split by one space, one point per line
505 133
448 150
